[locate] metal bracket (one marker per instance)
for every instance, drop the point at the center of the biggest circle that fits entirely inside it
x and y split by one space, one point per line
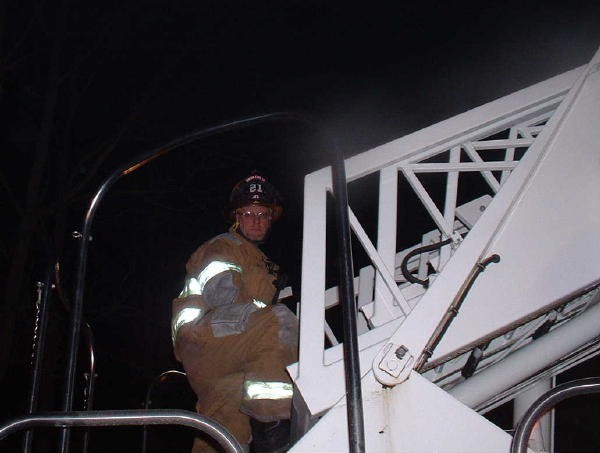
393 364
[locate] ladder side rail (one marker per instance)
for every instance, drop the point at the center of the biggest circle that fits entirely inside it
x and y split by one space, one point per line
482 121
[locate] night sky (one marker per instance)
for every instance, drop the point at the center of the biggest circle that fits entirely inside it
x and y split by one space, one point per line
87 86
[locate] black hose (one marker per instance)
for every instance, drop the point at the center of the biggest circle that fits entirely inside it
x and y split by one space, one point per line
356 436
426 248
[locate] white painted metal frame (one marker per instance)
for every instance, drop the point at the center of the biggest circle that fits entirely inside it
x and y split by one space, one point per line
512 227
521 114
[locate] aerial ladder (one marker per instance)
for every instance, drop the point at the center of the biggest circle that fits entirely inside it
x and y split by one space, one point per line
495 301
499 296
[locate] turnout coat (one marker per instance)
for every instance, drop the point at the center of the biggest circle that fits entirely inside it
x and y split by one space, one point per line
232 337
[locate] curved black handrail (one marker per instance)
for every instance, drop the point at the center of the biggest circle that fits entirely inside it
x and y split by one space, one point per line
132 166
547 402
352 373
126 418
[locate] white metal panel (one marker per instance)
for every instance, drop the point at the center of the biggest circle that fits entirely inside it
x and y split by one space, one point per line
549 244
415 417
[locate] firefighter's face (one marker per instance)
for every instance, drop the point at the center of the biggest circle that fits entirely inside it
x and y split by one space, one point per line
254 221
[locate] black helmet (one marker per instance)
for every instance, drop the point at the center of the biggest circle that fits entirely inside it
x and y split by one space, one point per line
255 189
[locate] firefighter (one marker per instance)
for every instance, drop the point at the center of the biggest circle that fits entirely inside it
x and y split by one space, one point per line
228 330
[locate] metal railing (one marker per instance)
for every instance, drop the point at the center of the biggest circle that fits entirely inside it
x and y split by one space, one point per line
125 418
547 402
